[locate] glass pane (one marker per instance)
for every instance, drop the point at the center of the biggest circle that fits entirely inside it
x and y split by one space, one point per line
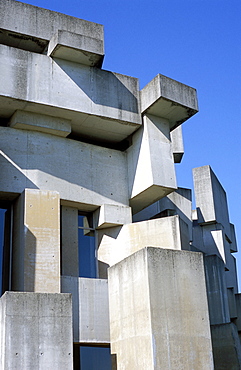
95 358
2 222
87 258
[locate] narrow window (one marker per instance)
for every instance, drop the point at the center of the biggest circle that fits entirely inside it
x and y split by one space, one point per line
87 249
92 358
5 248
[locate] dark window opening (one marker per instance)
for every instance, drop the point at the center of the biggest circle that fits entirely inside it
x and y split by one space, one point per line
92 358
5 248
87 248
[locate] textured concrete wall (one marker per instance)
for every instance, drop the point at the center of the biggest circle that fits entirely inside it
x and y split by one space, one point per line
36 242
90 309
36 331
158 311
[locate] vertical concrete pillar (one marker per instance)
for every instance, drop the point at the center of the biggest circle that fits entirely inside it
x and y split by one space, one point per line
36 331
158 311
36 242
70 256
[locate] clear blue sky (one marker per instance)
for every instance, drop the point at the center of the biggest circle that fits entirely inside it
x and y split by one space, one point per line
196 42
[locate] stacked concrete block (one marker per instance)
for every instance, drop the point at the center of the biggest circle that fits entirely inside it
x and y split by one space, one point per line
80 142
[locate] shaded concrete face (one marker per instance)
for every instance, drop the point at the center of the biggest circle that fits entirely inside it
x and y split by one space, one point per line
160 330
90 309
36 242
36 331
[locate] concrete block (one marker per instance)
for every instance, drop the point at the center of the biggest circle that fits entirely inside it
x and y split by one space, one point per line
90 309
40 122
216 290
238 307
150 154
109 215
211 201
170 99
98 103
179 202
41 161
177 144
214 240
232 303
158 311
231 272
69 241
233 246
42 23
76 48
115 244
36 331
226 347
36 242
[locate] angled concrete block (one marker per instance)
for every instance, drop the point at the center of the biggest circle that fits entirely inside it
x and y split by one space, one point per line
226 347
36 331
179 202
211 200
36 242
218 303
117 243
177 144
40 122
90 309
151 171
158 311
109 215
170 99
76 48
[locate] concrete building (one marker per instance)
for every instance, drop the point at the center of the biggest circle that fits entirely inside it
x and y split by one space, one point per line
104 263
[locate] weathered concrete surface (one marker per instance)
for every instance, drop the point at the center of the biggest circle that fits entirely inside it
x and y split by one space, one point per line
158 311
226 347
216 290
69 241
151 169
40 122
109 215
179 202
211 200
170 99
115 244
177 144
41 25
76 48
36 242
37 160
90 309
36 331
100 104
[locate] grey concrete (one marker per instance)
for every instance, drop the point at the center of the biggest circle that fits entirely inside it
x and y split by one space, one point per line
90 309
168 330
170 99
109 215
217 296
238 307
76 48
177 144
36 331
226 347
42 24
233 246
232 303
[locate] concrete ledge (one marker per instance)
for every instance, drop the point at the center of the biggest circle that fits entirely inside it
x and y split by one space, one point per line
170 99
109 215
40 122
76 48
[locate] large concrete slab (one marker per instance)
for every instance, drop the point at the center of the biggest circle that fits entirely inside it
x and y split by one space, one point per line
158 311
90 309
36 331
100 104
36 242
170 99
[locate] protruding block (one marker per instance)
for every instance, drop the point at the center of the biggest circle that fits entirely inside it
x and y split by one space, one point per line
158 311
177 144
216 290
117 243
170 99
76 48
40 122
233 246
36 331
151 169
109 215
36 242
90 309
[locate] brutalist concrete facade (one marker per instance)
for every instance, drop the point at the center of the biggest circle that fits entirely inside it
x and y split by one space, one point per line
101 247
